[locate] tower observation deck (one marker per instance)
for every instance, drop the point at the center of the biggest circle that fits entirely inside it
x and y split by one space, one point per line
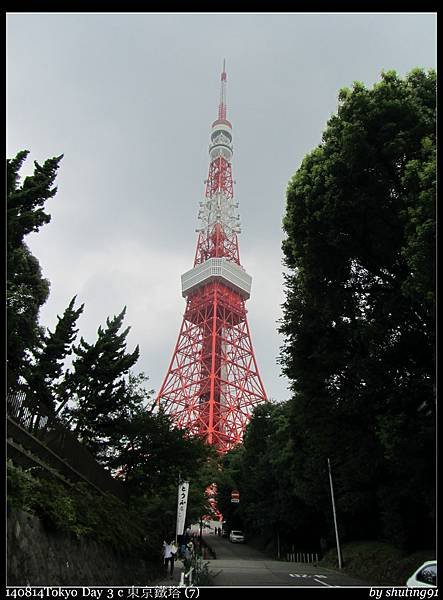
213 383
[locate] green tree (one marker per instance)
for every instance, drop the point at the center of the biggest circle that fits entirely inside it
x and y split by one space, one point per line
359 316
229 478
97 386
262 469
151 453
27 290
42 376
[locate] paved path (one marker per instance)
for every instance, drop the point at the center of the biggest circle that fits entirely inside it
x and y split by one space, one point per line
166 581
240 565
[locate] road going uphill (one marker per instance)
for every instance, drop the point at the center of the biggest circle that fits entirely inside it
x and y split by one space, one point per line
241 565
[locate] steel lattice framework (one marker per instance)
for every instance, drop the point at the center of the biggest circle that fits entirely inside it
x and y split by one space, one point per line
213 382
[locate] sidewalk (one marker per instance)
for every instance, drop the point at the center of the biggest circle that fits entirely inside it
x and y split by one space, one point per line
166 580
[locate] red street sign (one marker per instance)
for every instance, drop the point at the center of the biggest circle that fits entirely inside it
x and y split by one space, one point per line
235 496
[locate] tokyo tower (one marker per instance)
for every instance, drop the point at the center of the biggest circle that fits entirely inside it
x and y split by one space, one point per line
213 382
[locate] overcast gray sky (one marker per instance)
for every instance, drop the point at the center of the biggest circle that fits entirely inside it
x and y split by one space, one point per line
129 100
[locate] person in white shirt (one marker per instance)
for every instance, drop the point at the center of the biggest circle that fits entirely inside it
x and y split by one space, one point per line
169 555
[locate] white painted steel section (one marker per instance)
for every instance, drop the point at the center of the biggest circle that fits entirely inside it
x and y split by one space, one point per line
217 269
221 144
220 208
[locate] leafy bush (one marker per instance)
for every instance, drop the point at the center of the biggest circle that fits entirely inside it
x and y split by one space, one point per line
202 576
200 573
20 486
53 505
77 510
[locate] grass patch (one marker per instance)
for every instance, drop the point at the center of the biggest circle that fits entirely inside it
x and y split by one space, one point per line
377 563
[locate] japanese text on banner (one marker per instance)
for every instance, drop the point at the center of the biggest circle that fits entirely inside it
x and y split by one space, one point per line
181 507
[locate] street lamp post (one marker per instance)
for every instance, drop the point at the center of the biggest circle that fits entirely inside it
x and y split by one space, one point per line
335 517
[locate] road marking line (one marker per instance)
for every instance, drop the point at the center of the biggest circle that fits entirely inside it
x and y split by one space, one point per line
323 582
307 575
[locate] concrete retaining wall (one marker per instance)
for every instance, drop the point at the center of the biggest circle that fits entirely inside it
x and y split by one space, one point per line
36 556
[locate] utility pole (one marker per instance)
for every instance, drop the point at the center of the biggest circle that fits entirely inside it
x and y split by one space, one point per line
335 517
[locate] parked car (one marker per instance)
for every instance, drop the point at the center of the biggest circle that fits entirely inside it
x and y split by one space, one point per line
236 536
424 576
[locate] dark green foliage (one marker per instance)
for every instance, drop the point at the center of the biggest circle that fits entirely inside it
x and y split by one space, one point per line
42 376
113 414
229 478
27 290
359 318
78 510
262 470
20 486
25 203
98 388
152 453
158 509
122 429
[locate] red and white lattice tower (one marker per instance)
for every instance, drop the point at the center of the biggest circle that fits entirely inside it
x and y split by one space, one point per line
213 382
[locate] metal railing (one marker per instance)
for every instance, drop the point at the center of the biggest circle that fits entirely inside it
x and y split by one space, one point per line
20 409
41 423
303 557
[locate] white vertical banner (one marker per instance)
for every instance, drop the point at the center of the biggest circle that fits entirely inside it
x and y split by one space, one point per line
181 506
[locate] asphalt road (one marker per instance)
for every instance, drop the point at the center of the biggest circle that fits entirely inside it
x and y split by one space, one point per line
240 565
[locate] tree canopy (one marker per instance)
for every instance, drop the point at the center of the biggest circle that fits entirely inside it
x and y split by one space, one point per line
26 288
44 374
97 387
359 330
359 316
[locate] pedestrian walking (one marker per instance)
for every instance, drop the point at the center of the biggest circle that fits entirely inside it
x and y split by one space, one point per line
169 556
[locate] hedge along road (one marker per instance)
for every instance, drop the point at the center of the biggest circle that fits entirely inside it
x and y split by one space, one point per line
241 565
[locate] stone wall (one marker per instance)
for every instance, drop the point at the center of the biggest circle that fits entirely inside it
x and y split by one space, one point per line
37 556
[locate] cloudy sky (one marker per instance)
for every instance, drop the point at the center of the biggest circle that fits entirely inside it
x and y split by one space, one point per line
129 100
